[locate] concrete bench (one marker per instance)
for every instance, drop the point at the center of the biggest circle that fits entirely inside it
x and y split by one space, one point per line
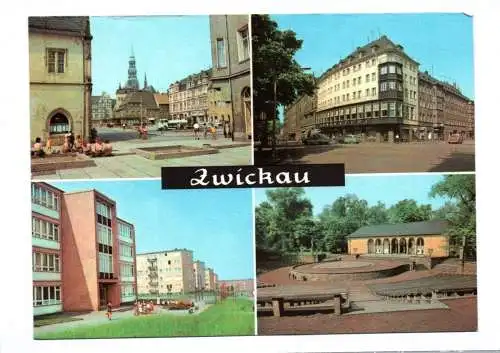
302 302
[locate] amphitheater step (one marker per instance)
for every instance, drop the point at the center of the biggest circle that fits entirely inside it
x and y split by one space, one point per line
381 306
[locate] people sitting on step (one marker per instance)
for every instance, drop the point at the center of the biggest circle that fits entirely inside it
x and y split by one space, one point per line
107 148
66 146
78 147
86 147
37 150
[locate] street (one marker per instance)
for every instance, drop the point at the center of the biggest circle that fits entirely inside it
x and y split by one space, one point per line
381 157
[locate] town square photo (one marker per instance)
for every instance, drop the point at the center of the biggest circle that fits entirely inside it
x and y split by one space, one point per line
115 259
118 97
367 90
382 254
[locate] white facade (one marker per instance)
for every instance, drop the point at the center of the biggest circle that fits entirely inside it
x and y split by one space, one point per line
199 274
126 236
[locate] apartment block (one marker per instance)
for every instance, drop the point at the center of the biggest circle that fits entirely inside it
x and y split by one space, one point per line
83 255
164 272
209 279
199 274
242 286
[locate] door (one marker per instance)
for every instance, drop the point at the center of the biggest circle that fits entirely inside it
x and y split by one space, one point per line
103 296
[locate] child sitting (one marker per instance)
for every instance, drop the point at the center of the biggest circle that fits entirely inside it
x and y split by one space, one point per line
37 148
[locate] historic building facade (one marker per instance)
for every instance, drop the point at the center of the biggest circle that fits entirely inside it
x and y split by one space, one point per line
230 79
407 239
60 77
443 109
373 92
83 255
102 108
188 98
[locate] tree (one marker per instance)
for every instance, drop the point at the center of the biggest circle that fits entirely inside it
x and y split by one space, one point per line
378 214
273 61
461 191
407 210
263 219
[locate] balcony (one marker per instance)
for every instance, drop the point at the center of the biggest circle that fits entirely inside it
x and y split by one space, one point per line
45 243
44 211
46 276
125 258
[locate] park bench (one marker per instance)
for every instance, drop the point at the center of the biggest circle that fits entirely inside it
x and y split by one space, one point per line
278 304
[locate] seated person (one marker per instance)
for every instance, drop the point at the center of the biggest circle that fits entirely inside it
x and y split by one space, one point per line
65 147
48 145
107 148
37 148
97 148
78 144
85 147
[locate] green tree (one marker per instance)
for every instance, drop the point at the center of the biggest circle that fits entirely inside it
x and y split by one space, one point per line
460 190
263 220
273 52
407 210
378 214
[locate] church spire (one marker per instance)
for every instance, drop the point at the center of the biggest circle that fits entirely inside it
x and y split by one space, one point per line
145 81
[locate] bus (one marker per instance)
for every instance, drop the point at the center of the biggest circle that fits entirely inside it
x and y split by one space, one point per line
166 124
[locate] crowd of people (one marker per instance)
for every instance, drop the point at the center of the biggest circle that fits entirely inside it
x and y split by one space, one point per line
94 147
143 307
210 130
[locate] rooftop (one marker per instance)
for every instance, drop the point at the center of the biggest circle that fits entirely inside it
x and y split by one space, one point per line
415 228
163 251
78 25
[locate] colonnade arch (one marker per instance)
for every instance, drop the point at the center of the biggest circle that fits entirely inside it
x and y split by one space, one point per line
396 246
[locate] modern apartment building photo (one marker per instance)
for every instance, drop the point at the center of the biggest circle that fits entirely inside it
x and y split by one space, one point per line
117 246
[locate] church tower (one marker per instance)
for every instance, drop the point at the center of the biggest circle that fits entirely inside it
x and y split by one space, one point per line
132 81
145 82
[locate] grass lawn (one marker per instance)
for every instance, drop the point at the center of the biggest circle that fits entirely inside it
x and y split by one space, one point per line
229 318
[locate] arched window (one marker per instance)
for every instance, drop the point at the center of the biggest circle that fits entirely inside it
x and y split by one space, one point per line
394 246
59 124
371 247
420 241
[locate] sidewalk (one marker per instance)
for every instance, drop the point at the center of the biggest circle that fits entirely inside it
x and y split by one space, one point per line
126 164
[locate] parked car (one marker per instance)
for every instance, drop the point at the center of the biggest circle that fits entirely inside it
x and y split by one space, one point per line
316 139
349 139
456 139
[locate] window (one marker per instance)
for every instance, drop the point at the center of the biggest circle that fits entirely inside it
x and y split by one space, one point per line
56 60
105 263
125 230
392 69
367 78
125 250
44 197
392 85
367 93
243 44
374 91
383 87
46 262
126 270
43 229
221 53
374 77
49 295
353 95
383 70
359 80
354 81
373 61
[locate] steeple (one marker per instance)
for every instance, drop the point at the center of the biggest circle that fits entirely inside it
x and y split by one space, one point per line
145 81
132 81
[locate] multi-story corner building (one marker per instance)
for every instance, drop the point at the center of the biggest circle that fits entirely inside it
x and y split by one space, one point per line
137 108
240 286
165 272
188 98
372 92
230 43
209 279
163 102
46 235
443 109
60 77
102 108
79 248
299 117
199 274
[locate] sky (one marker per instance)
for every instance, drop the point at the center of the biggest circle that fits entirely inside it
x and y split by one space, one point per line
441 43
388 189
166 48
216 224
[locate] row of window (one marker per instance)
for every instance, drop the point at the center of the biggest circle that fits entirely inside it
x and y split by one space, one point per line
347 97
126 270
105 263
391 69
127 290
243 45
46 262
46 295
44 197
104 235
44 230
391 109
126 250
125 230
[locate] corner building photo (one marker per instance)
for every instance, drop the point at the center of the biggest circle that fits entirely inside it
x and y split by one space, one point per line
83 254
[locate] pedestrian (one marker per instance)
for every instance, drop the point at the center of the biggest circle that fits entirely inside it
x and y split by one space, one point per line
196 129
109 312
71 141
226 129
